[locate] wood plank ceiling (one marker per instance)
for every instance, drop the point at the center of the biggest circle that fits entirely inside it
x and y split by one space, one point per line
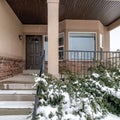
35 11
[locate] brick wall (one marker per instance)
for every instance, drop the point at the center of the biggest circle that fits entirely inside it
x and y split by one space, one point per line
78 67
10 67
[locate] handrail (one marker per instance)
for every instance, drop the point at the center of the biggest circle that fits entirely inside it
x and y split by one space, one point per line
42 63
38 88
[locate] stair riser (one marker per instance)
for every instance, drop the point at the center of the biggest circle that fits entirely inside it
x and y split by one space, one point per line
16 87
31 72
15 111
17 97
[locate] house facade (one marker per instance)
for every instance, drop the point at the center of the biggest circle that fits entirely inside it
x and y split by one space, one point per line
21 43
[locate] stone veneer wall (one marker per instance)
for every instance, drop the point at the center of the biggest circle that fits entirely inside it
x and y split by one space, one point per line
10 67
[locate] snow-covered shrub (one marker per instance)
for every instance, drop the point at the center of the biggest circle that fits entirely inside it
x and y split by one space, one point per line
78 98
109 82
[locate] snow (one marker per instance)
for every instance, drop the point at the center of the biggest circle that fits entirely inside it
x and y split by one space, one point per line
73 107
107 89
39 79
96 75
46 111
70 117
111 117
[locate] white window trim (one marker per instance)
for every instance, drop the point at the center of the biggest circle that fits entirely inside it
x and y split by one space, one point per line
101 40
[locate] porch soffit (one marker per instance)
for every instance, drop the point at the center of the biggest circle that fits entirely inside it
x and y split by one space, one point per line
35 11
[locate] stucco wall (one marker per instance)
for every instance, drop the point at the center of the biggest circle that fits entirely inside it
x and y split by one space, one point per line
106 41
114 25
81 25
87 26
10 28
67 26
35 29
106 36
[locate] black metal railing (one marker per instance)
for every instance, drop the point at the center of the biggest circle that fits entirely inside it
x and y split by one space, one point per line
81 62
38 88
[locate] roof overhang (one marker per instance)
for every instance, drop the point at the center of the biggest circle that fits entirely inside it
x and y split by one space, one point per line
35 11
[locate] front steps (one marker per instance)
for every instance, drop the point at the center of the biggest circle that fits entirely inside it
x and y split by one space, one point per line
17 98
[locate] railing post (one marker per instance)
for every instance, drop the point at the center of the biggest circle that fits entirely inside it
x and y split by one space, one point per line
42 63
101 55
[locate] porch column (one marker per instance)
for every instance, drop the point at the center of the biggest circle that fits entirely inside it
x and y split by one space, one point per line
53 28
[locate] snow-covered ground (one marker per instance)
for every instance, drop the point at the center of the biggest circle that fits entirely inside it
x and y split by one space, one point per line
111 117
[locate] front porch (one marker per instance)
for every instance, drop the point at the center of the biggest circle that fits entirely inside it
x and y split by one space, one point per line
75 35
60 26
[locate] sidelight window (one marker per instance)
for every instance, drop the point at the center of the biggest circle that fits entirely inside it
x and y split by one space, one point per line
60 46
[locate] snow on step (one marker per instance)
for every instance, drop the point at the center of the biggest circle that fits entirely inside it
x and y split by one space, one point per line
12 92
16 104
13 117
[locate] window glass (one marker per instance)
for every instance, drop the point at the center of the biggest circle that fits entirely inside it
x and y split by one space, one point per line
60 47
46 48
81 42
61 41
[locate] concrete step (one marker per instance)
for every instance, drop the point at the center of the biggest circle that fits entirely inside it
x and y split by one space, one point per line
17 95
31 72
21 78
15 107
14 117
15 111
14 92
16 86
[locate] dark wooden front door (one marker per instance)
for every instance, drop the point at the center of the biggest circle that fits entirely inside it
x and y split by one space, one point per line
33 51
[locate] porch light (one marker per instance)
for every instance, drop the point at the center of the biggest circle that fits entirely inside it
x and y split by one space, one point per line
20 37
